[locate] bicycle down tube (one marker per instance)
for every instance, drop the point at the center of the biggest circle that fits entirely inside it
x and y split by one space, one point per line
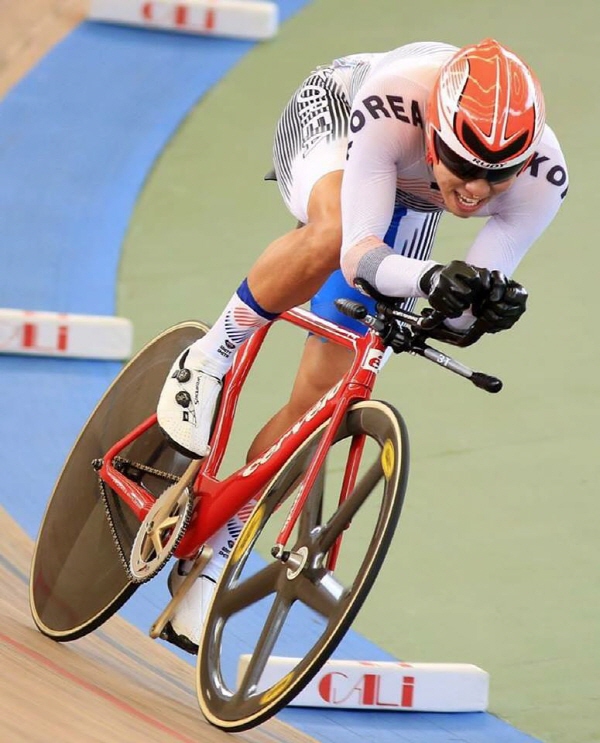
219 500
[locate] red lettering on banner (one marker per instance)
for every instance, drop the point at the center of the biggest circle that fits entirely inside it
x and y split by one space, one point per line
366 682
367 690
408 688
63 338
324 687
209 19
29 338
370 690
29 335
181 15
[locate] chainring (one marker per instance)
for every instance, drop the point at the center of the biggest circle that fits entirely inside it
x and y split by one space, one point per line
160 532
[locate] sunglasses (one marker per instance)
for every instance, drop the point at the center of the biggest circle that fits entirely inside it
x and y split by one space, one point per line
466 171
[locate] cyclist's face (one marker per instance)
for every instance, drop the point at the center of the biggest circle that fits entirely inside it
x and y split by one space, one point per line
465 198
465 188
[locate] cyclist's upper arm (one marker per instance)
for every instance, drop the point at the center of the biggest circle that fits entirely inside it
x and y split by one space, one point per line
382 134
523 213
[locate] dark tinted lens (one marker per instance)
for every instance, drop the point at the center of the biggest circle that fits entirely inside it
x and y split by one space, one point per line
497 176
465 170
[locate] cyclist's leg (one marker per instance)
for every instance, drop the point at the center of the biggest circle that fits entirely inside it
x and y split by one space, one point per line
322 364
295 266
309 169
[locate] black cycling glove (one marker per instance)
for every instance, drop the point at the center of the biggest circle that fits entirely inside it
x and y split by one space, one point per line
453 288
504 304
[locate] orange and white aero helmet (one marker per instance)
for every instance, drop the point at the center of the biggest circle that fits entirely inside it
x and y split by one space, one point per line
487 107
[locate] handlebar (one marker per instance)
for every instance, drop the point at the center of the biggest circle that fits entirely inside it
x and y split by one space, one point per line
405 331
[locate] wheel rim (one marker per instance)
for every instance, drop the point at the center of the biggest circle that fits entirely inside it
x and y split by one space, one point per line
306 585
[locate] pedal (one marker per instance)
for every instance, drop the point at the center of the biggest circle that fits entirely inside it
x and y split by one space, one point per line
157 628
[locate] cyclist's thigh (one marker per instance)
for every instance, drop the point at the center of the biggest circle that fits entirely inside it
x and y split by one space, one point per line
311 139
336 287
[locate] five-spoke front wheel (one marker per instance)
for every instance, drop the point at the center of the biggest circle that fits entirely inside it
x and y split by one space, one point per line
303 604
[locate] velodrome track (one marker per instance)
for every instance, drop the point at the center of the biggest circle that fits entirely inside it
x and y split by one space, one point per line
114 685
27 486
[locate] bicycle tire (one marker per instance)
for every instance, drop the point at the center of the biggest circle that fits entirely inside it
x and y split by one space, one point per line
249 704
79 576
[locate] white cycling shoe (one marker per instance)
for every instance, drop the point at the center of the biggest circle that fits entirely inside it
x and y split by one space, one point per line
185 626
187 404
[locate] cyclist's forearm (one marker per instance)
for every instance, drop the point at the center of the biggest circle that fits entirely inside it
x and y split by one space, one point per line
391 274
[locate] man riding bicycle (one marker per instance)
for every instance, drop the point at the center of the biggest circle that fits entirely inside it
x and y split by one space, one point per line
369 152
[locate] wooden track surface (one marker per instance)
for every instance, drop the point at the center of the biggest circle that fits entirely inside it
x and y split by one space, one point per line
113 685
28 29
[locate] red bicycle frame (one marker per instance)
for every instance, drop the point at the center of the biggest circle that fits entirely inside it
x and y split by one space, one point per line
218 500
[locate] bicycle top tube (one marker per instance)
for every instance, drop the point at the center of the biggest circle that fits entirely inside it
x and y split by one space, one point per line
319 326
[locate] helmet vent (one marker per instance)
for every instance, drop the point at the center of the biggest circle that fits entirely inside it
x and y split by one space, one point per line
493 157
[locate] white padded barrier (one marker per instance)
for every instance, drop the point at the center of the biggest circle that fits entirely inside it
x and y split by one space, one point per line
66 335
385 685
242 19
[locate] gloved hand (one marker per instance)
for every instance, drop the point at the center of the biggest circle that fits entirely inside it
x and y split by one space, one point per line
504 304
453 288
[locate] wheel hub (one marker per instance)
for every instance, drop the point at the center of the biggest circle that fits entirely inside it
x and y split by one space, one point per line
296 562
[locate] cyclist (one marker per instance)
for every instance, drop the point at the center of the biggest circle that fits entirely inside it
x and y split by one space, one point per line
369 152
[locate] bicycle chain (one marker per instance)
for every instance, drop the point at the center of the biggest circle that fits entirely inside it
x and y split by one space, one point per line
96 464
113 530
146 468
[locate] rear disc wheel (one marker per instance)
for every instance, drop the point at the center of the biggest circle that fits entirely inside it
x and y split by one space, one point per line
80 574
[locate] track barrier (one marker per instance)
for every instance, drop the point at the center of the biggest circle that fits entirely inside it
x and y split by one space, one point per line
241 19
385 685
65 335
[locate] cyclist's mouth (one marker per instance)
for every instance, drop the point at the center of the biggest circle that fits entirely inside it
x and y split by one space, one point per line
467 204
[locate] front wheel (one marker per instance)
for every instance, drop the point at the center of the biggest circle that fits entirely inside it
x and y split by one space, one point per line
302 607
